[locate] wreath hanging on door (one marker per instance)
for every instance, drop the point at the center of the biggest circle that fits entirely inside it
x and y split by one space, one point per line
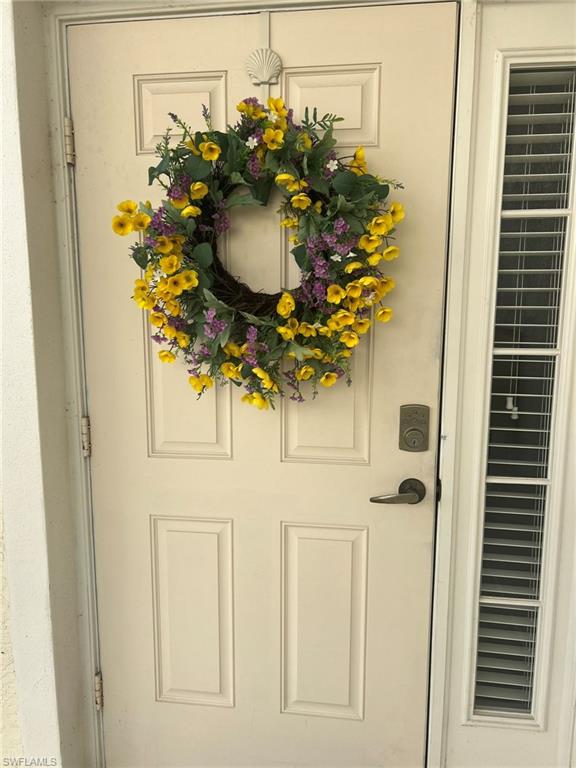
342 227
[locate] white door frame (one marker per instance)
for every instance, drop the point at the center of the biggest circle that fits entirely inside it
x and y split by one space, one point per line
58 17
457 408
455 309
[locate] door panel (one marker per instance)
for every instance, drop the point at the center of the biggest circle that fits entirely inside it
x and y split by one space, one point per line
255 608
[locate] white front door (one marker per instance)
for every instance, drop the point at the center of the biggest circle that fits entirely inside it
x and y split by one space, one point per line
254 607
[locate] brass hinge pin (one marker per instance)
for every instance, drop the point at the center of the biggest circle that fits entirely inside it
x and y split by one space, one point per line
86 437
98 692
69 143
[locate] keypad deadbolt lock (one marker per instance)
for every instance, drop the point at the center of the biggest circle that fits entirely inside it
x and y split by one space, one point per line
414 428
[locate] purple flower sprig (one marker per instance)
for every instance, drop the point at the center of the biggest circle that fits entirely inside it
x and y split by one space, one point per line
221 220
180 188
213 326
341 226
252 346
161 224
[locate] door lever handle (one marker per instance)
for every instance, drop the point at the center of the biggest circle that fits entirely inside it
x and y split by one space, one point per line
410 491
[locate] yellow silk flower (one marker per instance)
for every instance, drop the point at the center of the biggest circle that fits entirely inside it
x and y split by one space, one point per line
198 190
335 294
329 379
286 305
200 383
210 150
122 225
273 138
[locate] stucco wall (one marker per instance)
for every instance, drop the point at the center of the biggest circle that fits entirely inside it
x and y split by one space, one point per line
10 737
22 486
46 578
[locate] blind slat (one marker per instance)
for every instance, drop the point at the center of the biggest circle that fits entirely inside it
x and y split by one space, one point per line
536 177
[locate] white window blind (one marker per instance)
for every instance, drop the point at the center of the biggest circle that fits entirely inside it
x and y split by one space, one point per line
535 215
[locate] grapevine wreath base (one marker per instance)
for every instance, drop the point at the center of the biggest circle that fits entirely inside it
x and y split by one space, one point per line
342 228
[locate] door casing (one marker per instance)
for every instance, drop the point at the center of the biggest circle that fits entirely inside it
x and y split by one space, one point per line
59 17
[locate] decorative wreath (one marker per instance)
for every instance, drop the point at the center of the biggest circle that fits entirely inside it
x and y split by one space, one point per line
343 228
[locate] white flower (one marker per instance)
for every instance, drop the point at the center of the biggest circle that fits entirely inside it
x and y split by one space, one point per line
335 257
332 165
252 142
350 255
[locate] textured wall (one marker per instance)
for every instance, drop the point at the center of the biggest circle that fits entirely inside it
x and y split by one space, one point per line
10 742
22 483
50 634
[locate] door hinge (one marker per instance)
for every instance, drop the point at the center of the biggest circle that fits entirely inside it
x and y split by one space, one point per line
69 143
438 489
85 434
98 692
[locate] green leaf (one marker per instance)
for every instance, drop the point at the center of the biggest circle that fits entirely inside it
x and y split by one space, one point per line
241 196
197 168
172 212
215 303
319 185
355 224
203 255
262 188
382 191
271 162
326 143
205 280
236 178
346 183
233 158
140 256
254 320
300 353
288 167
221 139
342 205
277 352
180 152
225 335
190 227
159 169
301 257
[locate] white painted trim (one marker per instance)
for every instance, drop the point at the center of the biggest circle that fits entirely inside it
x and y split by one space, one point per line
567 752
91 11
451 448
456 301
505 59
80 485
486 323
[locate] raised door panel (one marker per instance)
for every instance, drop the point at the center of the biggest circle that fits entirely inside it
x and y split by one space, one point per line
324 620
193 610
